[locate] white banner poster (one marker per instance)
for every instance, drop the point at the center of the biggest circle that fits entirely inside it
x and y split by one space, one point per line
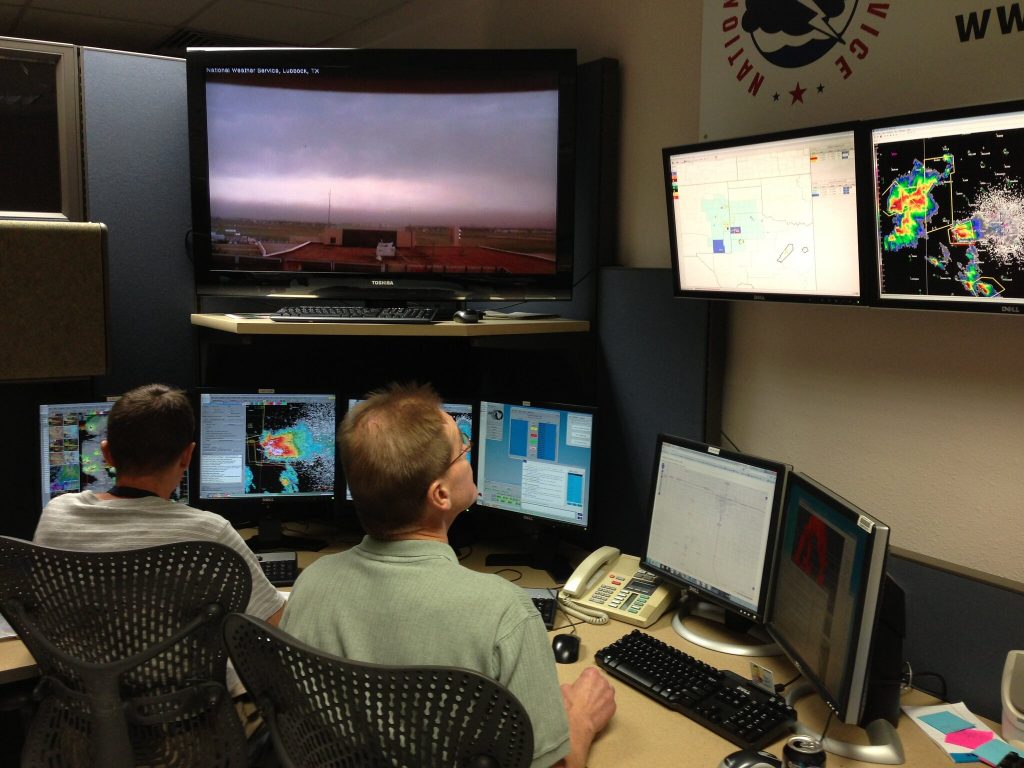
771 65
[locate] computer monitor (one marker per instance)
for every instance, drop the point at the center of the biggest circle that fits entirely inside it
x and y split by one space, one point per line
461 412
770 217
70 459
713 522
264 454
836 615
948 209
534 460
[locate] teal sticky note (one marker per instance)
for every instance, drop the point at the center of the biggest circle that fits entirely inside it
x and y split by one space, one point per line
993 751
946 722
965 757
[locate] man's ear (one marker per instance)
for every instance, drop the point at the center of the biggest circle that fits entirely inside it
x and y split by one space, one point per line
186 456
438 496
105 450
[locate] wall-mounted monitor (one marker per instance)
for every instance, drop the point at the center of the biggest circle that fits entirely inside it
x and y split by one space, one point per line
770 217
395 174
949 209
264 455
713 523
70 459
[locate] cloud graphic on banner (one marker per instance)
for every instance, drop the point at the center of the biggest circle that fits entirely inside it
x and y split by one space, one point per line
794 33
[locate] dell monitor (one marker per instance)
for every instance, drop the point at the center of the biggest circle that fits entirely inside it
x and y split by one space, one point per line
713 521
836 615
771 217
383 174
948 209
462 413
534 461
70 459
265 454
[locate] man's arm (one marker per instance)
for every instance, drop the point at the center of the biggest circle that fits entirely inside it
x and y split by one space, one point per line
589 705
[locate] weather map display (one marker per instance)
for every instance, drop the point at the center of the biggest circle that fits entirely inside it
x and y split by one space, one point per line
766 216
266 445
70 455
949 210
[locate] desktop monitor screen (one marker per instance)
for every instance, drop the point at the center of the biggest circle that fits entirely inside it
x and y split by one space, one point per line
69 449
713 521
266 446
462 413
767 217
827 593
949 214
535 460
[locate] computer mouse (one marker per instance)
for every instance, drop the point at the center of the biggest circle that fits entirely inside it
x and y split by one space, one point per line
749 758
566 648
467 316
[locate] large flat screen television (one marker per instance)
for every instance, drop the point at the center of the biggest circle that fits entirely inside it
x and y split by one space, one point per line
414 175
949 211
770 217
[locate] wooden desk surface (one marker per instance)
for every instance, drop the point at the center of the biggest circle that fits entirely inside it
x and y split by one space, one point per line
642 732
450 328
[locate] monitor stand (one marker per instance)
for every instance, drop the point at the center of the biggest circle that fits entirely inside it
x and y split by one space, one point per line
544 557
748 639
884 746
272 537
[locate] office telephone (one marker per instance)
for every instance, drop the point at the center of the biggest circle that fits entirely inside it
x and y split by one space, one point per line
610 585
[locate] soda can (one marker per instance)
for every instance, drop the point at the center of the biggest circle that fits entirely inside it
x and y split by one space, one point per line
803 752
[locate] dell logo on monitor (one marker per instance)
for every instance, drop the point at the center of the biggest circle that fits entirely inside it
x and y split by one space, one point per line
1011 309
382 282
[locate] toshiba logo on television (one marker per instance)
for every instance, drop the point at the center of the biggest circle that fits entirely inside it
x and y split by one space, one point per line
382 282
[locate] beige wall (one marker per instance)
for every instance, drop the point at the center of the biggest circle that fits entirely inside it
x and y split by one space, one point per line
914 416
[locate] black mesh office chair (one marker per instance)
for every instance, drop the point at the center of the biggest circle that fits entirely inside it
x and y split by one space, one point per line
326 711
130 648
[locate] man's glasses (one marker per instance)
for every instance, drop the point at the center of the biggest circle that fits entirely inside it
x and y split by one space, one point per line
467 446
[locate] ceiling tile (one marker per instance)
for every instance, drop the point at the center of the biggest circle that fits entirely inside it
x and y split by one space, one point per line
247 18
150 11
88 30
358 9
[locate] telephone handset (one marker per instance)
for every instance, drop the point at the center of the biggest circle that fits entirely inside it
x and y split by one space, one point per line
608 584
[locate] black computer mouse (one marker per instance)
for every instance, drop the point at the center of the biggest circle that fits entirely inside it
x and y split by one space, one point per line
566 648
749 758
467 316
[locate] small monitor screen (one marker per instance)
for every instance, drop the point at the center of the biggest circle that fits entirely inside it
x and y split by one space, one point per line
950 211
827 586
266 445
713 522
536 460
70 455
462 413
766 218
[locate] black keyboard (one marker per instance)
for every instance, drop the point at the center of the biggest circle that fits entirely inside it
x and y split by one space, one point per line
280 568
338 314
546 606
720 700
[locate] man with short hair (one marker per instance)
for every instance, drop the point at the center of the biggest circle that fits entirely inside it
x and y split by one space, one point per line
401 597
149 443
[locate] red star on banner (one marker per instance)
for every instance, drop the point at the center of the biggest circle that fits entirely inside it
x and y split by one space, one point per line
797 94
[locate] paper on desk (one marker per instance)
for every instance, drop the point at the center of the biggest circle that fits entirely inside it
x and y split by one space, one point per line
5 629
958 710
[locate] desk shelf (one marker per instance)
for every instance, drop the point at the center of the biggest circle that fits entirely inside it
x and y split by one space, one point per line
264 327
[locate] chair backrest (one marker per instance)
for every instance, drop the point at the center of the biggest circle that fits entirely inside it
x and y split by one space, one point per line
130 647
327 711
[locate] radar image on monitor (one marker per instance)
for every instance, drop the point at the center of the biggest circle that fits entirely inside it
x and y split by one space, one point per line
75 459
289 447
951 215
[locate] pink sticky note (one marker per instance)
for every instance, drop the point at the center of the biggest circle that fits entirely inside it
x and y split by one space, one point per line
969 738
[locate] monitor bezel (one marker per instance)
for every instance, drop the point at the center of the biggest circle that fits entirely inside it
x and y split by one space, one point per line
369 286
863 183
527 516
783 471
849 703
247 510
874 214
